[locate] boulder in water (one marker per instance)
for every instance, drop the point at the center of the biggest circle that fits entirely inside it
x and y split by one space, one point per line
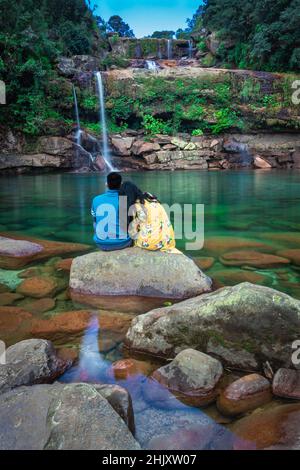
234 324
137 272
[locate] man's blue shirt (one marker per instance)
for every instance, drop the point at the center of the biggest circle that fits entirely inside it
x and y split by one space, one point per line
105 210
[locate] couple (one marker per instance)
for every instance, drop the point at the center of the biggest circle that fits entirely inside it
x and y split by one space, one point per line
124 216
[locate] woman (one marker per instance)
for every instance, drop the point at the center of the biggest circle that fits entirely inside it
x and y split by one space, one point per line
148 222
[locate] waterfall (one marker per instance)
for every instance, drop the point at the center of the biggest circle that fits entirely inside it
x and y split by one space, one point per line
170 49
151 65
105 148
246 159
190 49
78 128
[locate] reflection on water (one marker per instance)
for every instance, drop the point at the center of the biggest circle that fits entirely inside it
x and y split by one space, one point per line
162 422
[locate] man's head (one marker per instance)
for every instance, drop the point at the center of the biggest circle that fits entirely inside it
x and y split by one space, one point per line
114 180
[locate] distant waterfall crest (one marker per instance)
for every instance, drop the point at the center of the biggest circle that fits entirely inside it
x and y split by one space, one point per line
103 124
170 49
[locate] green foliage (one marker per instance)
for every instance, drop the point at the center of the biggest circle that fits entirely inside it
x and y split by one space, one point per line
121 108
197 132
117 25
226 119
260 34
154 126
163 34
114 61
32 37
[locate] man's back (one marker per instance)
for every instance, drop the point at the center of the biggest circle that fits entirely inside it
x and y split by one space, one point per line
108 232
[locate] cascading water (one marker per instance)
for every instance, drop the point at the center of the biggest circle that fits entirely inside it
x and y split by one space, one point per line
190 49
78 129
151 65
170 49
105 147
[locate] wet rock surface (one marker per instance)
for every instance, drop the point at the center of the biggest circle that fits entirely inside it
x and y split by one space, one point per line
192 377
286 383
237 319
245 394
30 362
123 273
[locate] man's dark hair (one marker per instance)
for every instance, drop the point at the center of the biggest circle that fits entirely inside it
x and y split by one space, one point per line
114 180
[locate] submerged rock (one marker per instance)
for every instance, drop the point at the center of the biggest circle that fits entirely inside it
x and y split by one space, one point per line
96 412
18 251
14 321
30 362
192 377
136 272
245 394
253 258
277 428
238 321
38 287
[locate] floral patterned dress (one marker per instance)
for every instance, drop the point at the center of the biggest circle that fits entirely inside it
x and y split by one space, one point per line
151 228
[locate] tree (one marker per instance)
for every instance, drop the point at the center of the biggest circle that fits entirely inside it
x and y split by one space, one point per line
117 25
163 34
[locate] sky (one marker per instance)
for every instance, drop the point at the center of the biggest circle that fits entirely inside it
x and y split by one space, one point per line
147 16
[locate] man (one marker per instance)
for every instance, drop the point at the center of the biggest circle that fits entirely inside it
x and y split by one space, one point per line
110 217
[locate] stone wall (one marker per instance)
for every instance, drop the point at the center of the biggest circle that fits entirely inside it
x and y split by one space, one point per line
230 151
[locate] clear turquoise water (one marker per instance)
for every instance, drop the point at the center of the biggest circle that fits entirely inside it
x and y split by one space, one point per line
237 204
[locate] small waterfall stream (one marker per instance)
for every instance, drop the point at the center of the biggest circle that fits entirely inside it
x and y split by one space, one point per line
103 124
170 49
190 49
151 65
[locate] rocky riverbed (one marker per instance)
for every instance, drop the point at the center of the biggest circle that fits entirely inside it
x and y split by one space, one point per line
211 372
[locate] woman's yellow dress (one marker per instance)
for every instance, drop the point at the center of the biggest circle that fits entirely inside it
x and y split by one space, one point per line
151 228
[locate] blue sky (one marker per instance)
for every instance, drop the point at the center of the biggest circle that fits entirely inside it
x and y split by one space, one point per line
146 16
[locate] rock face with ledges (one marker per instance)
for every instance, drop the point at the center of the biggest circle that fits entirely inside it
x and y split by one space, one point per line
136 272
243 326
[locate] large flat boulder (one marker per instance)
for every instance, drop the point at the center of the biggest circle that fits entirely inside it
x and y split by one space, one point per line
243 326
136 272
58 416
18 251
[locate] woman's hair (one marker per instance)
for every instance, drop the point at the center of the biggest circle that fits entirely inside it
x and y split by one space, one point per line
132 192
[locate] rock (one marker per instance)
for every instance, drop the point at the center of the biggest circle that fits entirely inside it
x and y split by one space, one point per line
253 258
292 255
286 383
239 319
38 287
31 407
261 163
30 362
123 273
70 66
286 238
122 145
4 289
141 147
82 419
8 298
40 305
14 322
38 249
119 398
245 394
222 244
126 368
232 277
64 265
99 163
191 377
61 325
277 428
204 262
